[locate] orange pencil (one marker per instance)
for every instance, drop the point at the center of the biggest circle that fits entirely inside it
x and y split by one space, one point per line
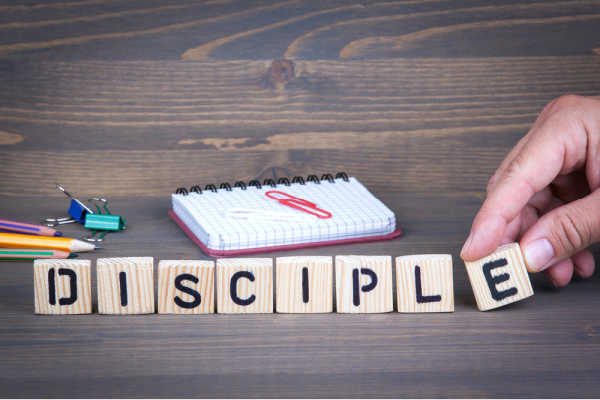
15 240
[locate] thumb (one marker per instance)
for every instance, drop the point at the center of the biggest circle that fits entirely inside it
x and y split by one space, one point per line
562 232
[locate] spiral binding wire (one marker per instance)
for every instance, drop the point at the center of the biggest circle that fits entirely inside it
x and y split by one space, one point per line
267 182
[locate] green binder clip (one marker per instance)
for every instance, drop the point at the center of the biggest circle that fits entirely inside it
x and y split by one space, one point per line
101 223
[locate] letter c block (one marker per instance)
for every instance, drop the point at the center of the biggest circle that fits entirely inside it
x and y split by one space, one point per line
186 287
244 285
500 278
364 284
62 286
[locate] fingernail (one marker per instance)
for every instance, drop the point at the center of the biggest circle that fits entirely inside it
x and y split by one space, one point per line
538 254
467 244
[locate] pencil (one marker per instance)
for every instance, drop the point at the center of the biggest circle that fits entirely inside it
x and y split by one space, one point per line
29 229
32 254
15 240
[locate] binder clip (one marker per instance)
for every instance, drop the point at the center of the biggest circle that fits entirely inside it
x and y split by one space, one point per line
100 224
77 211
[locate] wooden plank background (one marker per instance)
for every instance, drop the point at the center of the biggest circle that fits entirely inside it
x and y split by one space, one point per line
418 99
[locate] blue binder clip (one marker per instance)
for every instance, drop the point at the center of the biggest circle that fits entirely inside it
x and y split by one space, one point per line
77 211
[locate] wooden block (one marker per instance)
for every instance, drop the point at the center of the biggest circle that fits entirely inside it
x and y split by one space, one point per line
364 284
62 286
500 278
304 285
424 283
125 285
244 285
186 287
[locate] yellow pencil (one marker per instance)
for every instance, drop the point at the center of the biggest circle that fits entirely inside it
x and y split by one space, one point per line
15 240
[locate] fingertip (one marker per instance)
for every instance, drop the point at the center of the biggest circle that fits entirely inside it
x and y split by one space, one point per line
560 274
584 263
486 235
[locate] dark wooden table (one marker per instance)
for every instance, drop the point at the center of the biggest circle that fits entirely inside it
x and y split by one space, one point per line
420 100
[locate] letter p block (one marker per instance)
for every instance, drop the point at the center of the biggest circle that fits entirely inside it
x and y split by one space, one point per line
500 278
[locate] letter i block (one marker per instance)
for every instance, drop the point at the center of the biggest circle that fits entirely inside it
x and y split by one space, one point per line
125 285
500 278
244 285
424 283
62 286
186 287
364 284
304 285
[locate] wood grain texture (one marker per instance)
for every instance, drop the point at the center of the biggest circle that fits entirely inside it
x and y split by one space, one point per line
255 289
202 270
436 277
289 288
134 273
95 95
513 282
357 291
78 294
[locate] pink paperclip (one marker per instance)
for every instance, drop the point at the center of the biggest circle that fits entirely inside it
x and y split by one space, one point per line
298 203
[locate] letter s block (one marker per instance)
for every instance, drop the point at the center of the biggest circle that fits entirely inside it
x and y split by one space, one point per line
244 285
186 287
62 286
125 285
424 283
500 278
364 284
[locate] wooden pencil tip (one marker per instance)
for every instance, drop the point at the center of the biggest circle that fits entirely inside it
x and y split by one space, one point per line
58 234
73 255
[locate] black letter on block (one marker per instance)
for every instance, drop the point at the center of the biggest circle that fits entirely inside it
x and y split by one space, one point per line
65 301
365 288
305 285
188 290
123 286
233 288
420 297
493 281
51 287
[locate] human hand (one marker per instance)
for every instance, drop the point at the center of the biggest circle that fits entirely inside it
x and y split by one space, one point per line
545 194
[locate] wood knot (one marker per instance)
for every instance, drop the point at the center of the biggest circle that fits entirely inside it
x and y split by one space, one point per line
280 72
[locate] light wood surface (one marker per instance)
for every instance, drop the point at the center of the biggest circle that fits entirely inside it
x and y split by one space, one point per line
304 284
436 279
197 275
506 280
125 285
363 284
250 279
95 96
71 291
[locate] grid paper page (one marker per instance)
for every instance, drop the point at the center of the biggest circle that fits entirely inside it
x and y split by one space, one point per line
355 213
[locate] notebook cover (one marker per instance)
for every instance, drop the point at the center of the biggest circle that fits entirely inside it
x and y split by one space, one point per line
286 247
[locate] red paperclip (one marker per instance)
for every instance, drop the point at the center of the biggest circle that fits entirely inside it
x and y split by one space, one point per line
298 203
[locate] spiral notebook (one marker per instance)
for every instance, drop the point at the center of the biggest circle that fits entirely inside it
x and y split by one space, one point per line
254 217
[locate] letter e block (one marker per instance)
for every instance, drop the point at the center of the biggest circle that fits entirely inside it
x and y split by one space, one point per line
186 287
304 285
364 284
424 283
125 285
500 278
244 285
62 286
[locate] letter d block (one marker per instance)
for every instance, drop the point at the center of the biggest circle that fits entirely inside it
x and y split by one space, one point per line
364 284
304 285
500 278
244 285
424 283
125 285
62 286
186 287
